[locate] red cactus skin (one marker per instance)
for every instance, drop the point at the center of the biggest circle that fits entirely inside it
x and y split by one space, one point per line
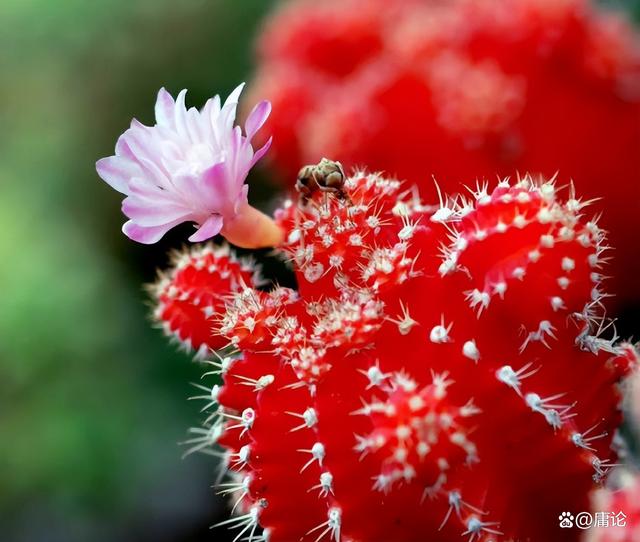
460 90
626 500
189 299
439 372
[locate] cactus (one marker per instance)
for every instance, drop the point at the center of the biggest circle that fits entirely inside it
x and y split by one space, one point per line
461 89
440 370
188 298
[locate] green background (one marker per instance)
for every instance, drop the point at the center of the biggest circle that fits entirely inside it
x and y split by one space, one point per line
92 399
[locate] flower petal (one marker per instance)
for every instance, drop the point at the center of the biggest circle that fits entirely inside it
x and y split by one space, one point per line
242 199
228 112
223 189
165 106
117 172
234 97
140 144
193 192
123 149
153 215
261 152
146 235
210 228
151 194
179 114
256 119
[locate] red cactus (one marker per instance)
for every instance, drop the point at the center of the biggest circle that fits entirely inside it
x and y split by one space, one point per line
190 298
617 513
440 370
461 89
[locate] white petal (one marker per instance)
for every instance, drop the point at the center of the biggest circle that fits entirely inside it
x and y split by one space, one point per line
117 172
209 229
164 109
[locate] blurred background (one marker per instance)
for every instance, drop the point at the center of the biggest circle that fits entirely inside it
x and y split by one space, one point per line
92 399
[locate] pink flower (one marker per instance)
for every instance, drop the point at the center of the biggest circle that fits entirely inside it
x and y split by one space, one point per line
190 167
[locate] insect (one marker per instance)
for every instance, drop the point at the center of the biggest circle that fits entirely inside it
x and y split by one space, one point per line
327 176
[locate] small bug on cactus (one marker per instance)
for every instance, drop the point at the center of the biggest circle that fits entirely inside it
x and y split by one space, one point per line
440 371
327 176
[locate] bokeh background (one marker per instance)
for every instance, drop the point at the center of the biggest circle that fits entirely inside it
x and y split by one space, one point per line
93 402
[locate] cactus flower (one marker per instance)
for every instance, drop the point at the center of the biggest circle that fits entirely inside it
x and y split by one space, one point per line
191 166
441 372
